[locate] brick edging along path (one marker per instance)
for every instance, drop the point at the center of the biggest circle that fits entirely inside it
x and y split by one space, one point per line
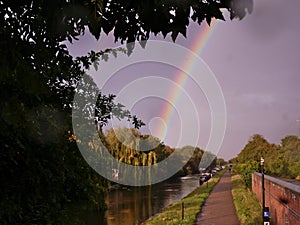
219 207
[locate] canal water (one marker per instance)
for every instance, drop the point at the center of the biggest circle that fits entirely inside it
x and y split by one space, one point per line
134 205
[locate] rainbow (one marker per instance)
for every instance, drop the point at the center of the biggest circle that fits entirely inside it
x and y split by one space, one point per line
197 47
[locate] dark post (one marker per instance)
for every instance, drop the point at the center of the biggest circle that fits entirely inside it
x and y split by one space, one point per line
262 186
182 210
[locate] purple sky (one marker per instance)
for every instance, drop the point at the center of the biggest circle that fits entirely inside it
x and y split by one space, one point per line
257 64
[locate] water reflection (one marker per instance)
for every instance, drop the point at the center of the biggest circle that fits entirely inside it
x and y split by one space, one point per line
132 206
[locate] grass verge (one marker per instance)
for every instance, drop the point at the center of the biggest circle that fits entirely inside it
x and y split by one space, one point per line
192 206
246 203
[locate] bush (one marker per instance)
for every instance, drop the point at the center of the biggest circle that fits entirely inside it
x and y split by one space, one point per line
246 170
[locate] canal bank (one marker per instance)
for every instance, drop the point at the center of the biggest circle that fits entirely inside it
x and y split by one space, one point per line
133 205
185 210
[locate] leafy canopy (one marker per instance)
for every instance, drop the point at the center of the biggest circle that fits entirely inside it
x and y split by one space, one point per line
128 20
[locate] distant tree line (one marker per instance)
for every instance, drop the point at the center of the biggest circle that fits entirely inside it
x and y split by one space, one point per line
129 146
280 160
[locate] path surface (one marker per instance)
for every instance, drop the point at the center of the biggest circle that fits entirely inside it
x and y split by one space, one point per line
219 208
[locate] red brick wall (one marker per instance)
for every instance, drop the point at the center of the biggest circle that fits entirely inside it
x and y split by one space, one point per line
282 198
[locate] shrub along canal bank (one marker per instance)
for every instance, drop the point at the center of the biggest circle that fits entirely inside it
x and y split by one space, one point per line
185 210
246 203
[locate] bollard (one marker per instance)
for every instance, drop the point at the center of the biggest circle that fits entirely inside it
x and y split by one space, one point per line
266 219
182 210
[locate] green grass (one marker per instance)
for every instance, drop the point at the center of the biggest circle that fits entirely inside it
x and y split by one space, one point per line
192 206
246 203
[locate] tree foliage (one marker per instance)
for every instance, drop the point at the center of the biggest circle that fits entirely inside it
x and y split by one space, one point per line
246 170
192 166
131 147
280 160
286 161
256 148
129 21
221 162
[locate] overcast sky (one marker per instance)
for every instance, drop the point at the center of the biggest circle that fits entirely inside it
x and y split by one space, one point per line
257 64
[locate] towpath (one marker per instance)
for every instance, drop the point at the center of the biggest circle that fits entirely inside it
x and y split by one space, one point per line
219 208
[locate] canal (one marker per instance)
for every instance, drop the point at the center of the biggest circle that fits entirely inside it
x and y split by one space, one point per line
133 205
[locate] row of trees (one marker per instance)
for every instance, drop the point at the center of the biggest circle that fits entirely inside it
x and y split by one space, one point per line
131 147
280 160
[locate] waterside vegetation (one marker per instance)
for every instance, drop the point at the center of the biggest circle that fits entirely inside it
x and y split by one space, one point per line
246 203
192 206
279 160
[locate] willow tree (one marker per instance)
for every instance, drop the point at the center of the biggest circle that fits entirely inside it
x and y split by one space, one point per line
128 144
131 147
